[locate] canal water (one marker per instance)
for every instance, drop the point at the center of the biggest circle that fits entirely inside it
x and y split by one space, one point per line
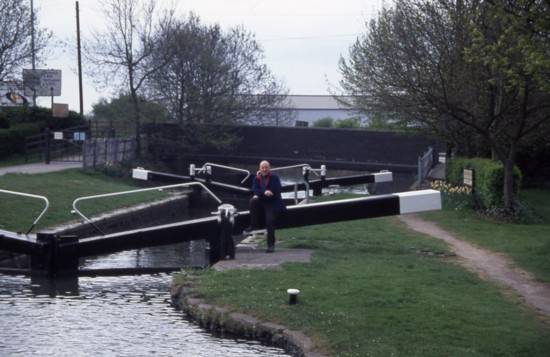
109 316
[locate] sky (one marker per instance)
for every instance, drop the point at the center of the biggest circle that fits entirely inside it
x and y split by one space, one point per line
302 39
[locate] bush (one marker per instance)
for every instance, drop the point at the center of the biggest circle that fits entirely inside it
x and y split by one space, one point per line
326 122
12 140
4 122
348 123
488 179
26 121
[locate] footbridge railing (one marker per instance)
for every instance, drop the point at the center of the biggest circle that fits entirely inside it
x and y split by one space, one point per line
158 188
315 185
23 194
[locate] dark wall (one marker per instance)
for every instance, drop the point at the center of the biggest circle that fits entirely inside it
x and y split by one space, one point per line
341 148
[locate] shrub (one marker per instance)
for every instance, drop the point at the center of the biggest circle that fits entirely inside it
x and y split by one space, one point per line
12 140
26 121
326 122
488 179
4 122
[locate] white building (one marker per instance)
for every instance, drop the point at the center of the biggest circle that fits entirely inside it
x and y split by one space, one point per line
310 108
304 110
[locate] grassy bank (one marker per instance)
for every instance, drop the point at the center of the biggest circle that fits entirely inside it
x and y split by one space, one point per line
61 189
375 288
527 244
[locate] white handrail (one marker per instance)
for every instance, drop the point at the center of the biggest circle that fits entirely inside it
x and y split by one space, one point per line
203 168
45 199
289 167
158 188
308 166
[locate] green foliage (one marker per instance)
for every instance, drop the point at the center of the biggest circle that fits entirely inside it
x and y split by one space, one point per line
28 121
475 73
511 39
348 123
488 179
4 122
325 122
121 109
17 115
12 140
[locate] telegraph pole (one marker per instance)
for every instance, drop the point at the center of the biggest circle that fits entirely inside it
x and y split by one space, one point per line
79 61
32 51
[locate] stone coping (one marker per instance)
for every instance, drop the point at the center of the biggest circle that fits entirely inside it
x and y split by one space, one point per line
220 320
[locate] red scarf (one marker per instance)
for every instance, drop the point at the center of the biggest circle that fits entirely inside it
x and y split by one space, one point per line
260 178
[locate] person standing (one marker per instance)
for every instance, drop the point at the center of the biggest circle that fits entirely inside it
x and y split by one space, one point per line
267 204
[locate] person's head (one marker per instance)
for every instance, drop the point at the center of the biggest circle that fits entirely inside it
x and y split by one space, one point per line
265 168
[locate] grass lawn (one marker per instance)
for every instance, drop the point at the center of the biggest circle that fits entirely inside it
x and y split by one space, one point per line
61 188
527 244
375 288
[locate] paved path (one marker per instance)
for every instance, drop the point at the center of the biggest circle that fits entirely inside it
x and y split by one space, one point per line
249 255
489 265
40 167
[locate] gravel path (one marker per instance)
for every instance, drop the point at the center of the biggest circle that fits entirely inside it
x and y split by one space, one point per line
489 265
37 168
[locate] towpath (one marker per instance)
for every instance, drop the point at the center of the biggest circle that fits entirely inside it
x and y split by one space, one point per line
489 265
40 167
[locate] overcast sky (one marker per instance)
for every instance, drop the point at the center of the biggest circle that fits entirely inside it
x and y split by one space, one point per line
302 39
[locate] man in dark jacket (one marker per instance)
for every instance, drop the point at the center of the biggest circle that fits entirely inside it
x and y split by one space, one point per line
267 204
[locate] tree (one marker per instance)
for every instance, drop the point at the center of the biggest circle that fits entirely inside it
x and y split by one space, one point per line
213 76
325 122
120 110
348 123
15 38
120 54
451 68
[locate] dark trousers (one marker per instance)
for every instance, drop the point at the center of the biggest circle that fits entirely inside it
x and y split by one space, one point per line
263 214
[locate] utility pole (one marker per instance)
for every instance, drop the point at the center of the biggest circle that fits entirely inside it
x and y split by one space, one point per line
79 62
32 51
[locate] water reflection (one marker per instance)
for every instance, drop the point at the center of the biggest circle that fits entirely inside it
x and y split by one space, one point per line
122 316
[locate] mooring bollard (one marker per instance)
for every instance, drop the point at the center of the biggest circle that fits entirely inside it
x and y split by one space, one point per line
293 296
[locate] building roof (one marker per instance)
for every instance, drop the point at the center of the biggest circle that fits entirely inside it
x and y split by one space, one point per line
308 102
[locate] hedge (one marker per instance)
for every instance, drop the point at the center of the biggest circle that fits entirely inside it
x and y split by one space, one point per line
488 179
18 123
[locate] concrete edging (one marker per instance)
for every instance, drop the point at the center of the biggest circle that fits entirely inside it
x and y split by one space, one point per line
219 319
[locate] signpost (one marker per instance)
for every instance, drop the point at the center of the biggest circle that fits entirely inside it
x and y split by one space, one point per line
42 82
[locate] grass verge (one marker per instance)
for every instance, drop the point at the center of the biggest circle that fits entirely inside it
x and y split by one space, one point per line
527 244
62 188
375 288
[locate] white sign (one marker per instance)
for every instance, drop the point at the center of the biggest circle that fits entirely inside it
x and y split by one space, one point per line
58 135
11 94
46 82
468 177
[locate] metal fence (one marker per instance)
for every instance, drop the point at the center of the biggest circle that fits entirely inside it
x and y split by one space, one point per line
108 151
56 145
425 163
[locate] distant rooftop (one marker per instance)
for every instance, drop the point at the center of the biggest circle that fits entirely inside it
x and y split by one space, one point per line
326 102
